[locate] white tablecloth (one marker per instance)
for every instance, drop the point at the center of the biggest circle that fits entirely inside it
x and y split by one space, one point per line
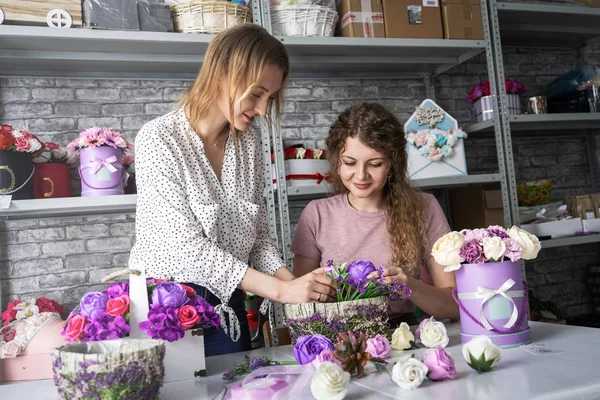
572 374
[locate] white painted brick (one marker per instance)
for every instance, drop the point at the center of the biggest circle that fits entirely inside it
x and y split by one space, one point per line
172 94
27 110
21 285
19 251
37 266
15 94
122 109
73 295
87 231
49 125
62 279
120 260
123 229
111 122
88 261
96 275
40 235
109 244
97 94
63 248
77 108
141 95
52 94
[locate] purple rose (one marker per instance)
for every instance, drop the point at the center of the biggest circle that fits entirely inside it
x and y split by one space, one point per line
118 289
498 231
163 323
358 271
472 252
169 294
93 305
440 364
307 348
379 347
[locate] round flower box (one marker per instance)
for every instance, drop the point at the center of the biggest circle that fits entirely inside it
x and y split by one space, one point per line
115 369
329 319
16 172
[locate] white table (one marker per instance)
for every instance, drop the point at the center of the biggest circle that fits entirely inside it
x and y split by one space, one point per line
572 374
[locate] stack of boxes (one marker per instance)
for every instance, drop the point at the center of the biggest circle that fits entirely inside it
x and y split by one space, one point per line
416 19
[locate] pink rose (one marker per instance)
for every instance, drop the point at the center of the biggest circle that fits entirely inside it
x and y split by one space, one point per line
440 364
22 144
420 139
188 317
118 306
74 328
11 350
379 347
325 356
435 154
9 334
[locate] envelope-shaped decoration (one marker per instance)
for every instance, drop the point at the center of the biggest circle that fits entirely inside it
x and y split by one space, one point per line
428 117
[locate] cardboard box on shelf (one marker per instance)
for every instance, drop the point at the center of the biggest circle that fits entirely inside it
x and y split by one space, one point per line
582 206
462 19
476 206
417 19
361 18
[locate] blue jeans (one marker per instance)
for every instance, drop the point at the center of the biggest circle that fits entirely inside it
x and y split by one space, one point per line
216 341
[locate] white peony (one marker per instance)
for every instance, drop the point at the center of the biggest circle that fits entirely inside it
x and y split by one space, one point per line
409 373
530 245
434 334
329 382
402 337
446 251
493 248
481 353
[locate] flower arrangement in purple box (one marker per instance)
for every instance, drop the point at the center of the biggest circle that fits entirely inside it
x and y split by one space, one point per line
97 137
174 308
482 89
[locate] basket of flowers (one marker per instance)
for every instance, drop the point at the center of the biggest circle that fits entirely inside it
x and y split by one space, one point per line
17 149
480 95
52 176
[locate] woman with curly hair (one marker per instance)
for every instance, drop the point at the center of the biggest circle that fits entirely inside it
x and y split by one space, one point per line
376 215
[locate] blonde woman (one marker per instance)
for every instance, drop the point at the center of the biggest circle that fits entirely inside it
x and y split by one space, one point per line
376 215
201 216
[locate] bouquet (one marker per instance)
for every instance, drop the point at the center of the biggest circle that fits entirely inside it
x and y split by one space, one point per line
436 143
174 309
482 89
478 246
301 153
17 309
54 153
18 140
96 137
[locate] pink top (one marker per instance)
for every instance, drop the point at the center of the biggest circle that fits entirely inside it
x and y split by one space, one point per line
331 229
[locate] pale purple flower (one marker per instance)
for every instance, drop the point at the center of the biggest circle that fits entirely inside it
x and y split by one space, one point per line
118 289
97 329
169 294
513 249
440 365
358 272
93 305
325 356
496 230
118 328
475 234
163 323
379 347
472 252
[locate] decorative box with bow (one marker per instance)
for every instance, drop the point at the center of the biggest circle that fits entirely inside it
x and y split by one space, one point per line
435 144
306 167
490 290
101 170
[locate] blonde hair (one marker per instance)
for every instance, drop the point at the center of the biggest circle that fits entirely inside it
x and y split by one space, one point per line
240 54
379 129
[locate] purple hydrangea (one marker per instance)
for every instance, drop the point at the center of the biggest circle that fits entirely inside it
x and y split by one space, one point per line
118 289
472 252
163 323
118 328
97 329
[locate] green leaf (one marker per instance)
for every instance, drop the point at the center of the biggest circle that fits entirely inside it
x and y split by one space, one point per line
382 368
413 345
480 364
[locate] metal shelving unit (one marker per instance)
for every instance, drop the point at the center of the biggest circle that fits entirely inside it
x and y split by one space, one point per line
549 123
570 241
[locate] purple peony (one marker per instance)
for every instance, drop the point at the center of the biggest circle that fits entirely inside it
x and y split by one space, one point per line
513 249
358 272
472 252
169 294
163 323
307 348
497 231
118 289
93 305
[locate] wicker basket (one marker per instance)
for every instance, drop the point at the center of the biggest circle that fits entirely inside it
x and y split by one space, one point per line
303 20
208 16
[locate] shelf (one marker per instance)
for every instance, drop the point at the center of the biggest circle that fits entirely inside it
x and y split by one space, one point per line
371 56
543 122
430 183
547 24
87 53
570 241
69 206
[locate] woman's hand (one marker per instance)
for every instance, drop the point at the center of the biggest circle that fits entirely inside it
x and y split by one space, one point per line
390 275
314 287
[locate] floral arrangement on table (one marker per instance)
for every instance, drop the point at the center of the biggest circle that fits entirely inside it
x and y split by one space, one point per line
478 246
98 137
482 89
361 304
18 140
302 153
54 153
22 319
174 309
434 144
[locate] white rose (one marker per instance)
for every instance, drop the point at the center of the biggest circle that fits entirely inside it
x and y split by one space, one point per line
481 353
402 337
410 138
493 248
529 243
329 382
434 334
44 157
431 139
446 251
409 373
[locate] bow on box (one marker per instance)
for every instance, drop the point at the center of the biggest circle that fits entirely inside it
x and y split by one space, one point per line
318 177
486 294
97 163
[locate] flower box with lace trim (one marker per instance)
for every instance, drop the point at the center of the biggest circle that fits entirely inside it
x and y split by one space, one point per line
305 167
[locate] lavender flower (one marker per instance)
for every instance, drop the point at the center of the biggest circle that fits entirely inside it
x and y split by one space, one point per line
257 362
513 249
472 252
229 375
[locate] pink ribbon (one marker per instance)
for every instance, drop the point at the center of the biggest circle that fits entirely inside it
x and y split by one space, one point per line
96 164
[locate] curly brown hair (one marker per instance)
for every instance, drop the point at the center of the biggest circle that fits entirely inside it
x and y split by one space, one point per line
379 129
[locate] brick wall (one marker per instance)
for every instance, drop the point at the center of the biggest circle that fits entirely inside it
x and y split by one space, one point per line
64 258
